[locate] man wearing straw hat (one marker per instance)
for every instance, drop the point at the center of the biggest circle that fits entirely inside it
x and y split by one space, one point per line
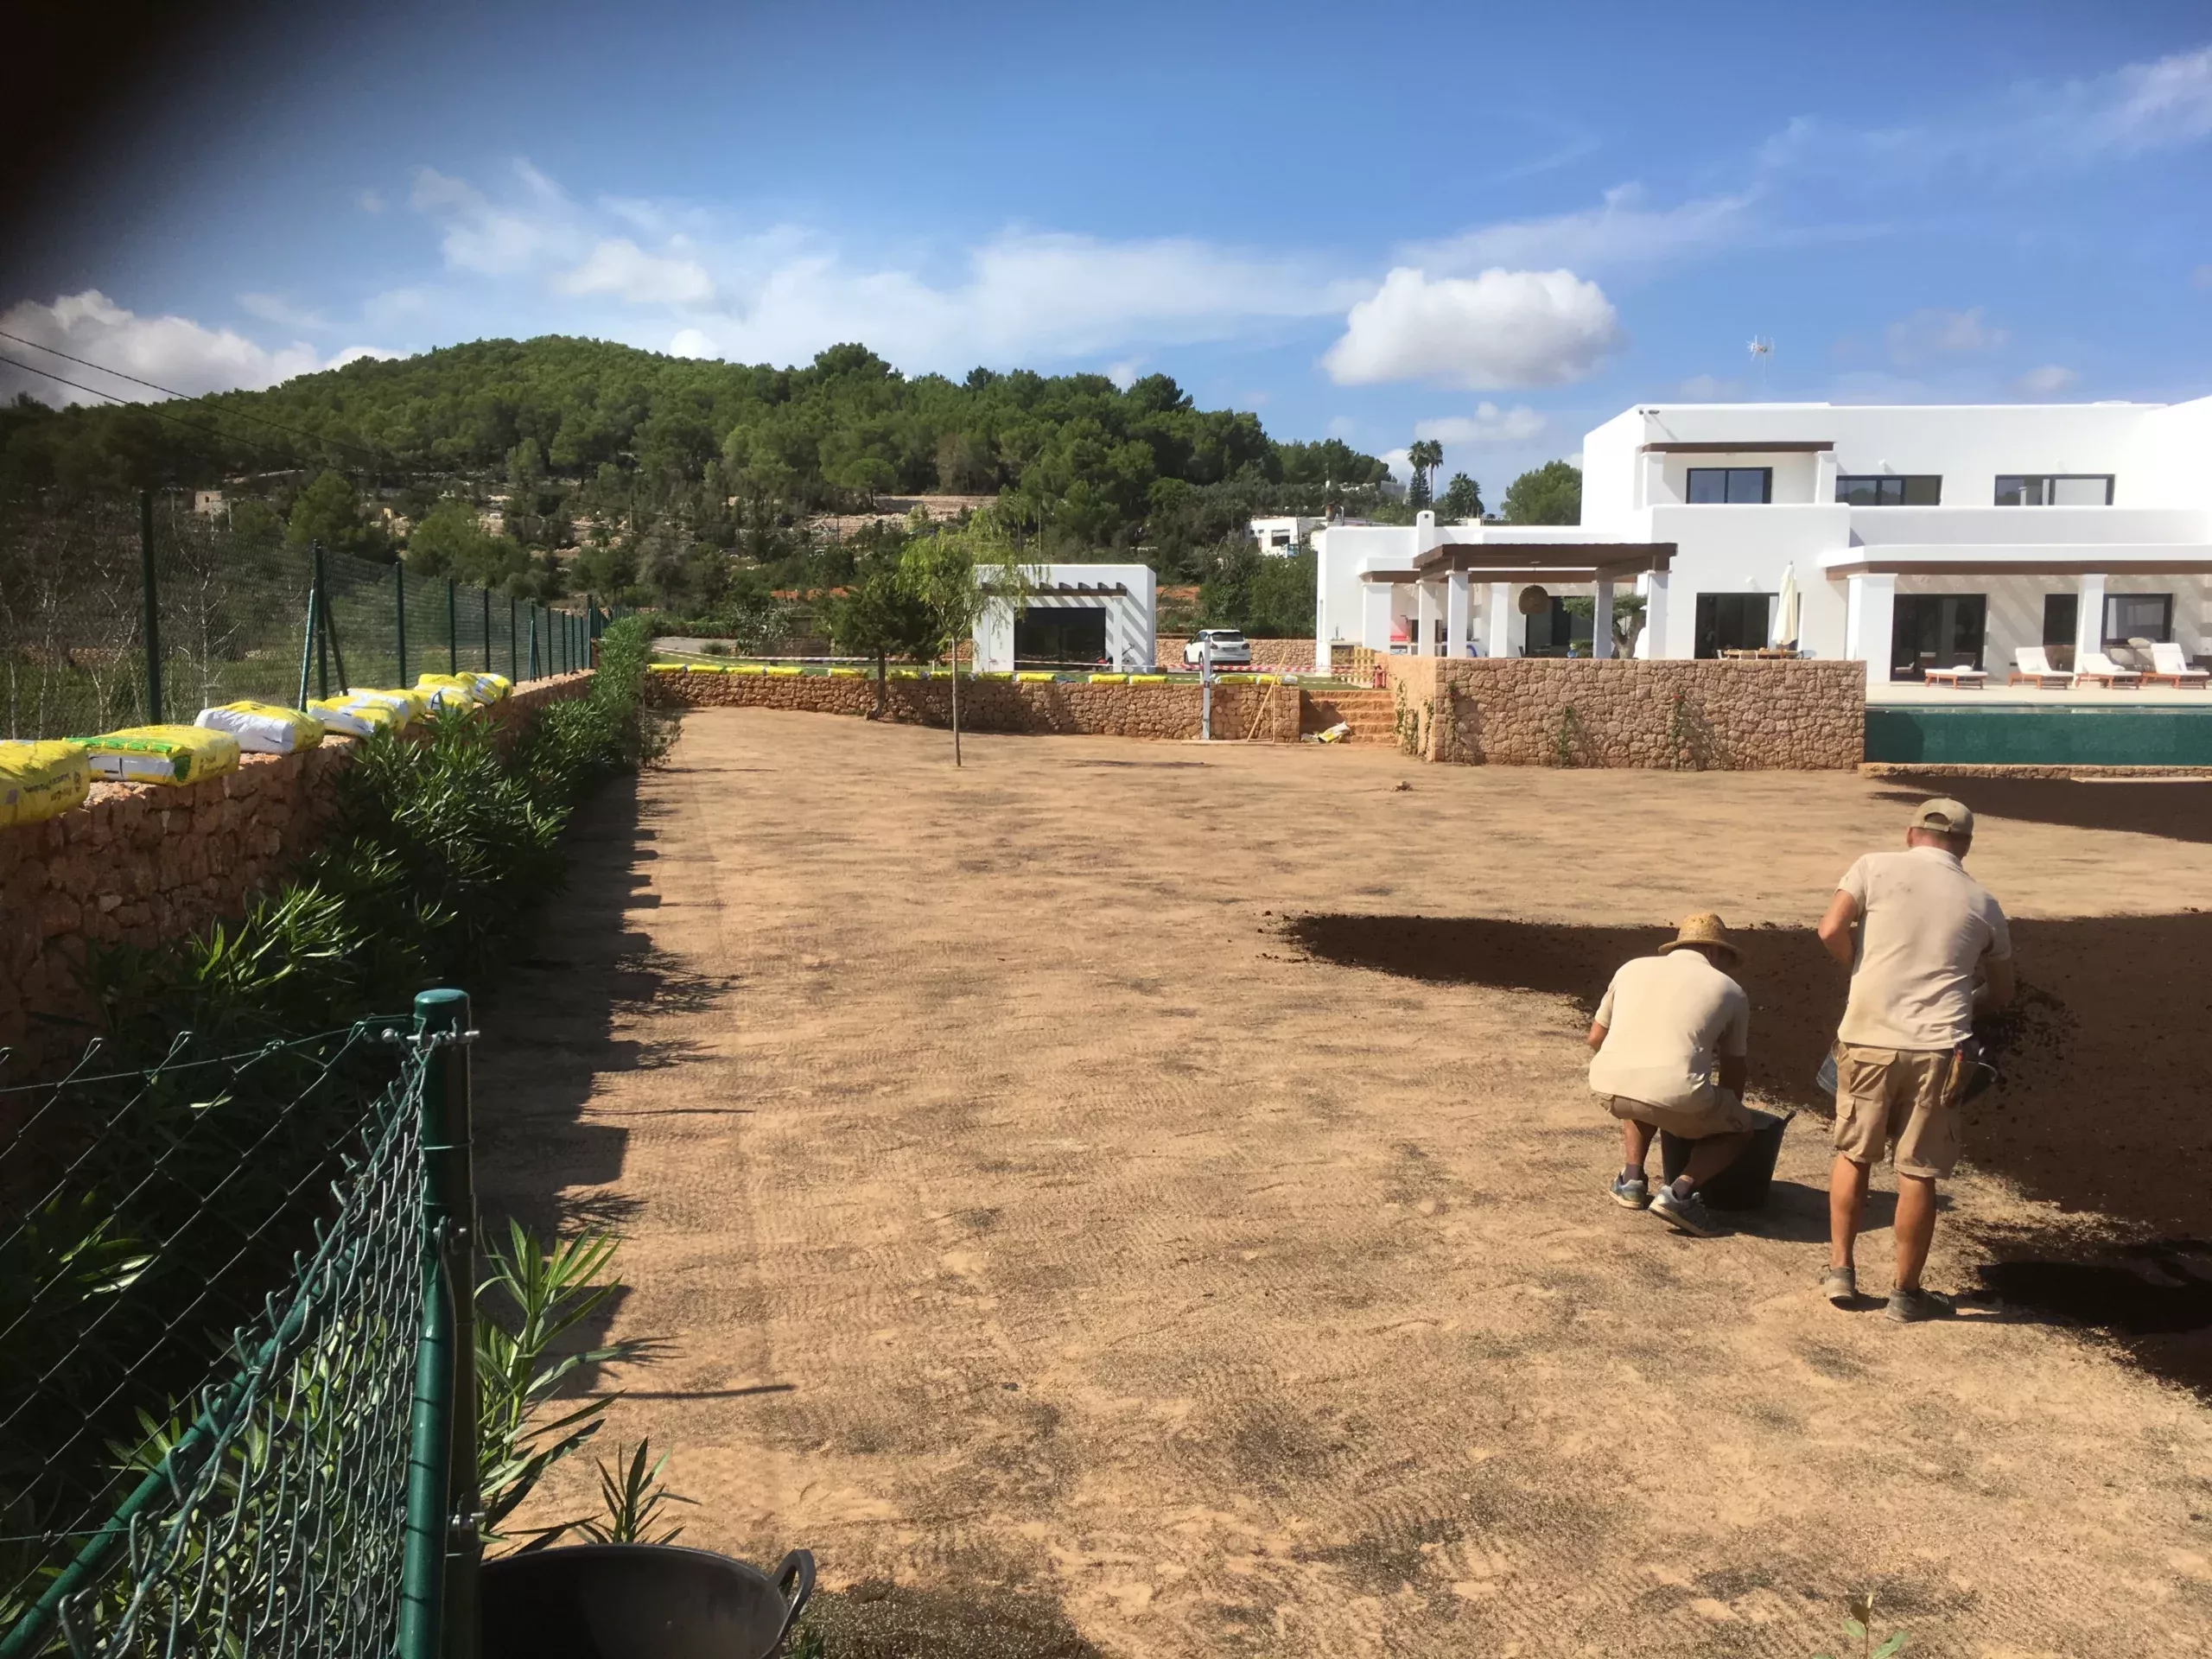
1928 948
1667 1022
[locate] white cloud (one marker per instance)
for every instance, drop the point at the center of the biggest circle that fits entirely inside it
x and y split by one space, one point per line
496 240
1124 373
1616 232
2047 381
619 266
1489 424
690 342
2142 107
1342 426
1926 333
370 201
173 351
1502 328
1401 463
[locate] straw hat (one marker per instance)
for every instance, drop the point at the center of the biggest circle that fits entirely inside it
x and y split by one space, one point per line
1702 927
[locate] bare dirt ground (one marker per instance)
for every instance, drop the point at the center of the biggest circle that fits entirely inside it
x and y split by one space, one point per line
1021 1214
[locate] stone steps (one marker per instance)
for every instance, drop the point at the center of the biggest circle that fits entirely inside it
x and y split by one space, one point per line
1371 715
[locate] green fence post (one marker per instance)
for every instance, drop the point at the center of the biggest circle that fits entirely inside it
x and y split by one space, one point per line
399 613
452 632
514 645
151 584
486 593
322 635
438 1605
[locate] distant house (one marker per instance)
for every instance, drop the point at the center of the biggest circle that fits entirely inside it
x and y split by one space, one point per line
1099 614
209 504
1282 537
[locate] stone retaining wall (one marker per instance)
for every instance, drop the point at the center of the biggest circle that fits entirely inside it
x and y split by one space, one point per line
1689 715
1253 713
141 863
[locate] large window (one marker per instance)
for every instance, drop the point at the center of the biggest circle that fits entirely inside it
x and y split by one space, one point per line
1051 633
2053 489
1881 490
1936 631
2138 616
1732 622
1732 484
1551 632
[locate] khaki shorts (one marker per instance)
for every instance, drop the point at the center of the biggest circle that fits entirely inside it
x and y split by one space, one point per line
1723 1114
1897 1098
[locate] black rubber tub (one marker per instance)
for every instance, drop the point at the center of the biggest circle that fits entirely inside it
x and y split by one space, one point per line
640 1601
1744 1184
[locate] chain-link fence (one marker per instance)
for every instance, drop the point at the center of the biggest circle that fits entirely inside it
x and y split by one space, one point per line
82 591
292 1498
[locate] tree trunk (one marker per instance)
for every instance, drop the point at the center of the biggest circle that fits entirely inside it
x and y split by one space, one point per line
956 702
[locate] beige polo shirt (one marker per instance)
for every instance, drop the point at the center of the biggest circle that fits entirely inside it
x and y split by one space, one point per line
1667 1019
1924 927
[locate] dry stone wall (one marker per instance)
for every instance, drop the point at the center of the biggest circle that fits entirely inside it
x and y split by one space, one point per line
142 863
1267 714
1688 715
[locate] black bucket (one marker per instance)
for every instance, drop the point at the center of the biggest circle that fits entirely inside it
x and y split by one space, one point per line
1744 1184
640 1601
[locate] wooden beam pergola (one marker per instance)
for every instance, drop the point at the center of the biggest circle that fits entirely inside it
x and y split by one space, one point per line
1532 560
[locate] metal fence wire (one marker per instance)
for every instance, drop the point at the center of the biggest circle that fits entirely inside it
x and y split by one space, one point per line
270 1502
82 590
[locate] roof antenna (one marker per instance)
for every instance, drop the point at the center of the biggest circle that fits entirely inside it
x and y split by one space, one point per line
1761 349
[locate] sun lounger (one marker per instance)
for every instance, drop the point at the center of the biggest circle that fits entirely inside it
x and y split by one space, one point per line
2035 668
2170 667
2098 669
1964 678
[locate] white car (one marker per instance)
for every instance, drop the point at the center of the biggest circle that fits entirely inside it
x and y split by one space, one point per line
1230 649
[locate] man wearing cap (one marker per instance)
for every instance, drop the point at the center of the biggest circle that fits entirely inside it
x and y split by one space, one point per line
1668 1021
1927 948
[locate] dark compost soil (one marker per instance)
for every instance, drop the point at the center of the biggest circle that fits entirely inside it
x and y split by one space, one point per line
2103 1105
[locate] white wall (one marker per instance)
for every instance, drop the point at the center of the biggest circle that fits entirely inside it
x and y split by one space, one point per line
1130 616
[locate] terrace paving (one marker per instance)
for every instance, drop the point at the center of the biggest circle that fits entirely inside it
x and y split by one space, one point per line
1020 1215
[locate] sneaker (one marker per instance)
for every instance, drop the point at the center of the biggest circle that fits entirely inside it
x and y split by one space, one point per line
1685 1215
1911 1307
1634 1193
1842 1286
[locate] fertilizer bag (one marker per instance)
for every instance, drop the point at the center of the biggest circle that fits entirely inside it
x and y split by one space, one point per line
263 728
160 754
41 780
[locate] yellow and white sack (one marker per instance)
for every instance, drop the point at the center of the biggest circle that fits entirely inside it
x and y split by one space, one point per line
263 728
351 716
445 689
159 755
41 780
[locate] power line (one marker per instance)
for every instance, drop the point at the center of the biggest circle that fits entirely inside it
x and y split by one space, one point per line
151 409
171 391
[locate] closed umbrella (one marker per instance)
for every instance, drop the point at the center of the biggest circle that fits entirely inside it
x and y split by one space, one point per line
1785 612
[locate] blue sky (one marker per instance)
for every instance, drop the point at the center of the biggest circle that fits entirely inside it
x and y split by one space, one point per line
1497 225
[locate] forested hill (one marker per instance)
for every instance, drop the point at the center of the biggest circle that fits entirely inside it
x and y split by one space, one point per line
848 424
557 466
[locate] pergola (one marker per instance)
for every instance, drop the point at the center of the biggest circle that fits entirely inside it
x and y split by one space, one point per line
1454 567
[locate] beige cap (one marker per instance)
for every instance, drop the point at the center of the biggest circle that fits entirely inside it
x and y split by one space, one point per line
1702 927
1945 818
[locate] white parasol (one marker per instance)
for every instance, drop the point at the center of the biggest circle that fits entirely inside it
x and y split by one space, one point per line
1785 611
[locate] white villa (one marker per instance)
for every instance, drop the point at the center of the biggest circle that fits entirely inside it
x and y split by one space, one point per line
1281 535
1913 537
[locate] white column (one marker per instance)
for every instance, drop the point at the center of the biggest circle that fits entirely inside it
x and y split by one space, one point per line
1601 625
2090 618
1501 620
1377 605
1455 614
1654 642
1424 609
1824 476
1870 613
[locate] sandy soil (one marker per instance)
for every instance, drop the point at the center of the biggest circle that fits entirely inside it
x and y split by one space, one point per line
1017 1212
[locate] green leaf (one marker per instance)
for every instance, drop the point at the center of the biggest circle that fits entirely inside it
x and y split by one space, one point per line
1854 1629
1897 1639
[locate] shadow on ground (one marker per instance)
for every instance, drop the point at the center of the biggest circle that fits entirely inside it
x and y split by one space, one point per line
2179 808
2099 1110
876 1619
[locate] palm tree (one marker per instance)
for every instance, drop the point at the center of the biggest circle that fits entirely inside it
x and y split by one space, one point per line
1425 455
